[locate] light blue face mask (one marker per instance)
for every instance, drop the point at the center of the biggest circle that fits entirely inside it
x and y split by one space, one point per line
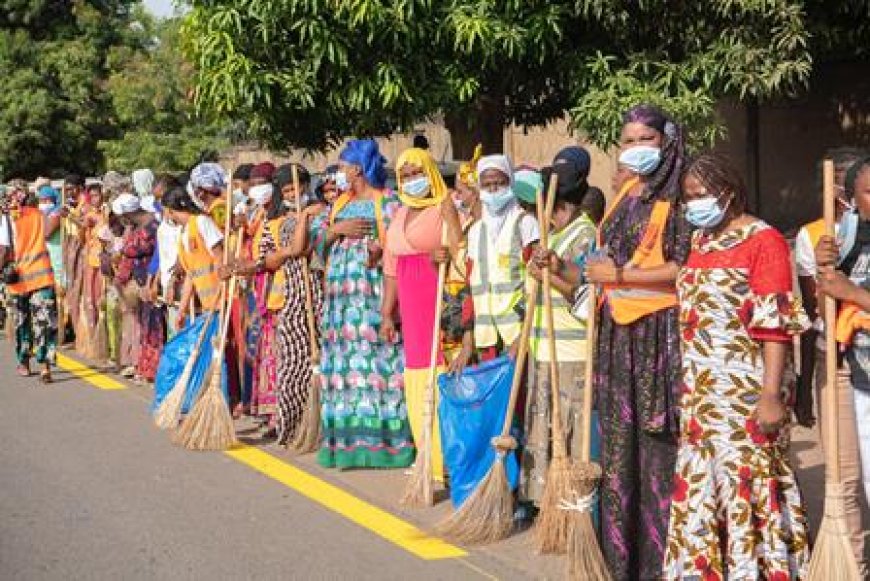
495 202
417 187
705 213
341 181
641 159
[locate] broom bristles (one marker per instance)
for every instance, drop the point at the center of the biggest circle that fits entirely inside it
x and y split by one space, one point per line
419 490
209 425
551 528
307 437
169 411
487 515
833 558
585 560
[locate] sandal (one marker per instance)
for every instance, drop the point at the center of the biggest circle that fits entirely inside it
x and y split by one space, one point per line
23 370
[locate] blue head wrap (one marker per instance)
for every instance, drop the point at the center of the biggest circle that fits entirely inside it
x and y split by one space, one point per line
50 193
577 157
364 153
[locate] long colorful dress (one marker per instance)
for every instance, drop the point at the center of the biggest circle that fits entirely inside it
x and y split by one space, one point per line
637 378
294 373
736 511
365 420
264 402
407 259
131 275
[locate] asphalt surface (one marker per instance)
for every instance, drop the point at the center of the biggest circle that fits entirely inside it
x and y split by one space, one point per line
90 490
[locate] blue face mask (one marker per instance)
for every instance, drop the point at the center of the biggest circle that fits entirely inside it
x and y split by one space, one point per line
705 213
417 187
641 159
497 201
341 181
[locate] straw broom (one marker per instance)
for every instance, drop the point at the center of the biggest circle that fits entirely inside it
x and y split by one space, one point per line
307 437
487 515
585 560
832 559
551 530
169 412
419 490
209 425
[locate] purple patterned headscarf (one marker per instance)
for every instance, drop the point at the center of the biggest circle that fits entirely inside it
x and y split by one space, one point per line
664 183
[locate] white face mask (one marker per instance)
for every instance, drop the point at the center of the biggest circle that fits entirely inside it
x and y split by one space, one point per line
46 207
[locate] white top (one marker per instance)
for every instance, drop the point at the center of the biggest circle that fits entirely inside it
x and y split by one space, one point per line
528 225
805 254
209 231
167 247
4 231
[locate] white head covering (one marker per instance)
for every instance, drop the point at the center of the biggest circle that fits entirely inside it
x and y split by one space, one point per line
125 204
208 176
148 204
240 208
143 182
41 181
261 194
500 162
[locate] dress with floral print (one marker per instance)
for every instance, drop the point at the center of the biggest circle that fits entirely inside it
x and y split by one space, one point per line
736 511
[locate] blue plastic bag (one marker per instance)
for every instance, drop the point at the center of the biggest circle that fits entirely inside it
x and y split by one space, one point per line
175 354
471 412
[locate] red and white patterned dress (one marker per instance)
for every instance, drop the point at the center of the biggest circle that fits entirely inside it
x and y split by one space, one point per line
736 511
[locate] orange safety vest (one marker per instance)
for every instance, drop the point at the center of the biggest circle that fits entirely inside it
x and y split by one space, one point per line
628 303
32 260
276 299
345 198
201 266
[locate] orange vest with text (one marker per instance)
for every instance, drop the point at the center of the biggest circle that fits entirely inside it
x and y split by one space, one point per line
32 260
628 303
201 267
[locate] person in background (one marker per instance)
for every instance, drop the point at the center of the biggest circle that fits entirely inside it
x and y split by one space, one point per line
365 421
571 240
466 193
421 142
27 272
242 179
736 510
95 217
73 188
325 187
206 187
527 183
844 266
643 240
48 202
812 345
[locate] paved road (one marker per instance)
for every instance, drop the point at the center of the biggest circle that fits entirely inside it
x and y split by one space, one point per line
90 490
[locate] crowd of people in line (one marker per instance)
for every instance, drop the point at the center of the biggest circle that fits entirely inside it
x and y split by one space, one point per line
693 380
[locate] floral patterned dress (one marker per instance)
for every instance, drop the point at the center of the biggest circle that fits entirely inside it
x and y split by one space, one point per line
736 511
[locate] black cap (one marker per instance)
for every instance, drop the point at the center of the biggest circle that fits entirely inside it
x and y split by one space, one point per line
243 172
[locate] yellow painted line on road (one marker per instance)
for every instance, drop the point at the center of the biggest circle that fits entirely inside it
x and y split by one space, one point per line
378 521
88 374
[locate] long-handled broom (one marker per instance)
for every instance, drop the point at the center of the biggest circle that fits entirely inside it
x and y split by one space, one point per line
833 559
419 489
487 515
169 411
551 529
209 425
585 561
307 437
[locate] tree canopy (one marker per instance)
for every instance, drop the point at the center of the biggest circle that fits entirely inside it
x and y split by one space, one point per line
307 73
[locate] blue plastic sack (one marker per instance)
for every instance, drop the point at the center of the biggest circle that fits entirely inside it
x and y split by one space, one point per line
175 354
471 412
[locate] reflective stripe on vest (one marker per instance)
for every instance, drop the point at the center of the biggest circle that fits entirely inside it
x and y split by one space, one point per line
201 266
33 262
497 279
570 333
630 303
277 296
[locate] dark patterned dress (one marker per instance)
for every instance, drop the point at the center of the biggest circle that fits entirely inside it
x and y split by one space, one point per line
637 377
294 372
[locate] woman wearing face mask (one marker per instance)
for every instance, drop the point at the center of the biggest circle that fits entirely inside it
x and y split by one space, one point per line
643 239
289 244
411 278
264 403
365 423
738 317
31 290
498 245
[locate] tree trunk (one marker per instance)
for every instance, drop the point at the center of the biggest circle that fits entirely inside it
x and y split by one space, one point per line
482 123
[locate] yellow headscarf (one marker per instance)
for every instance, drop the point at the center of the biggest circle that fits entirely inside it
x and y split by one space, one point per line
468 169
437 188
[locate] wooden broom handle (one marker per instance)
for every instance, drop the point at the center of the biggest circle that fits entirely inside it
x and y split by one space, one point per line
436 325
306 276
833 445
229 291
522 355
589 375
